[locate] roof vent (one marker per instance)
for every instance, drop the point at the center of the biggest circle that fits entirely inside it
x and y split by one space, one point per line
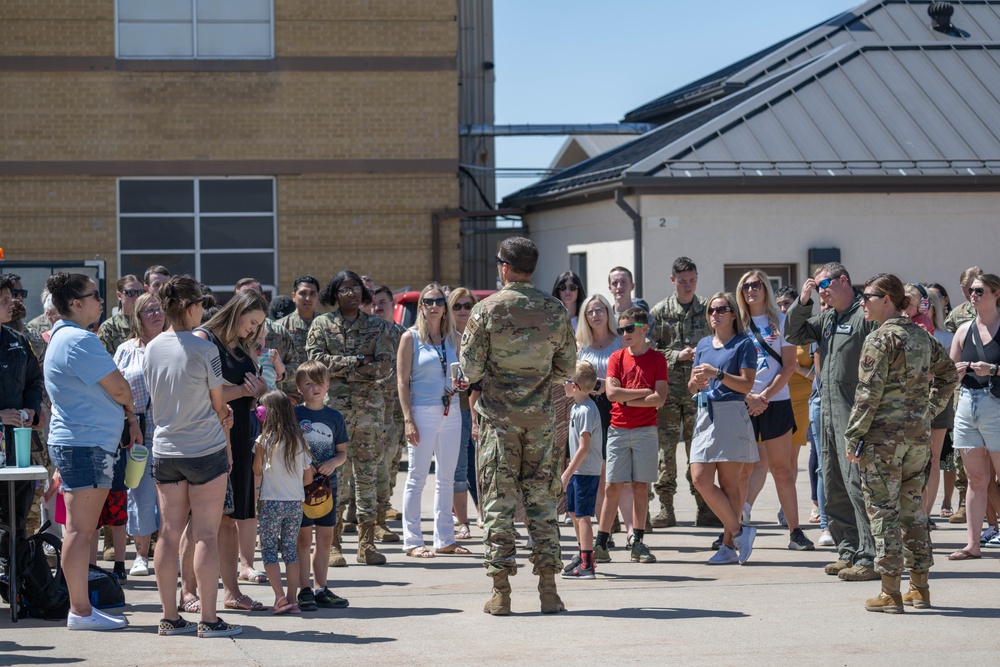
941 13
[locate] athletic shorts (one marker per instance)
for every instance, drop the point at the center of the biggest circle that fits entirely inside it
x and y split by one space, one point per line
632 455
777 420
581 494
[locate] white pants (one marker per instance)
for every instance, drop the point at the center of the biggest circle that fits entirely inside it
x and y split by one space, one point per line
440 437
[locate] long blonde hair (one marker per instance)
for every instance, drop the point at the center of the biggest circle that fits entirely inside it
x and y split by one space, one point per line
280 433
447 319
584 334
225 323
771 310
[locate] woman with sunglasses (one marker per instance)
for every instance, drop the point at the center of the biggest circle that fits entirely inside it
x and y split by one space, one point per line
904 379
976 353
90 402
116 329
460 303
723 445
433 420
769 402
569 290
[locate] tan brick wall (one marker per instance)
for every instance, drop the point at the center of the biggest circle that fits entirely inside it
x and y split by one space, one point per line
57 28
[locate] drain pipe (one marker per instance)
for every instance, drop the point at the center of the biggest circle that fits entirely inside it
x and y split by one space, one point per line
636 240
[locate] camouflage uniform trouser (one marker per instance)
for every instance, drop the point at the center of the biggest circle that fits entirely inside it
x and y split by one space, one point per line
519 462
364 456
892 479
675 422
390 461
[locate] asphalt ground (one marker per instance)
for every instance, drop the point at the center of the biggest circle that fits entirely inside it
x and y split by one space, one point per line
779 608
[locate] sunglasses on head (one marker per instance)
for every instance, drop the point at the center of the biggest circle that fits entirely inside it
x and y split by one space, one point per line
752 286
568 285
826 282
440 301
462 306
629 328
719 310
978 291
132 292
19 293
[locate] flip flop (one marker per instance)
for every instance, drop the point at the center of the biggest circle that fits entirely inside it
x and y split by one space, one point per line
420 552
453 549
244 603
962 554
463 532
193 605
946 512
280 608
255 577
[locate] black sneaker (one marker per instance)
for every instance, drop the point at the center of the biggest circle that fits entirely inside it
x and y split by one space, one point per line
306 600
572 564
176 627
799 542
121 576
218 629
330 600
718 542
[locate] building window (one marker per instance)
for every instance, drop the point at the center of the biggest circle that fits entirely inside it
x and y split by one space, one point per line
216 229
195 28
780 275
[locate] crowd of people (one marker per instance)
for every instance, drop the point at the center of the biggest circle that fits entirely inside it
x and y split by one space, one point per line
275 424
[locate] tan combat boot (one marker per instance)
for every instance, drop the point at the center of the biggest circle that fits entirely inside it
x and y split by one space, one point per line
382 532
919 595
551 603
367 553
336 555
499 604
393 514
859 573
109 545
835 568
666 518
889 600
959 515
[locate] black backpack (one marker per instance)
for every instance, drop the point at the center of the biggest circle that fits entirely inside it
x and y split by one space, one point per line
42 591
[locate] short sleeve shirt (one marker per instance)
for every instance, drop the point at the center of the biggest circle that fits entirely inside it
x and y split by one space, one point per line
323 429
735 355
767 366
280 483
585 418
642 372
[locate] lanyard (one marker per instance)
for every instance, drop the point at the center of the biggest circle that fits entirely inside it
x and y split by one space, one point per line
442 357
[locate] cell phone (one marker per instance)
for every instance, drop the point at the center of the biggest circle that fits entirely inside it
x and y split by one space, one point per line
857 450
456 371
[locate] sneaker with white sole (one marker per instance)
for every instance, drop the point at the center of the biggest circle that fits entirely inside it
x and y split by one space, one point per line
580 572
218 629
573 563
745 517
781 518
96 621
994 542
798 541
826 539
744 542
724 556
179 626
140 567
989 534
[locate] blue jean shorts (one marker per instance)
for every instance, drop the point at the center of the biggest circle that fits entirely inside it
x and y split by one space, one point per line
83 467
977 420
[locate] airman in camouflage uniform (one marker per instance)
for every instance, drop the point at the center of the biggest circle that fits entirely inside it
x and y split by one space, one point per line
959 316
905 378
516 344
114 331
278 338
393 449
34 330
675 329
298 329
356 394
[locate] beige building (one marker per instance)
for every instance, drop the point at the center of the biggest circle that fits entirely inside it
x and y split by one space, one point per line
873 139
227 138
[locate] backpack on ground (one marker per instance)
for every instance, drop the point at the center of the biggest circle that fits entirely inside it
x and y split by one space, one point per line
105 591
42 591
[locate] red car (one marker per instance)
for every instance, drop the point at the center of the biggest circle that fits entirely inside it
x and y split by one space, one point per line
405 312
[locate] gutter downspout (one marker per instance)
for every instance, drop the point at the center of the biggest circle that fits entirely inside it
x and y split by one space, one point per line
636 239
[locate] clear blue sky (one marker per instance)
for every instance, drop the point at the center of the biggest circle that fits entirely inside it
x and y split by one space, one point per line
591 61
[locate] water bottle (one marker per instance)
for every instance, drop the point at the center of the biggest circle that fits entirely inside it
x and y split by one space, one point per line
3 448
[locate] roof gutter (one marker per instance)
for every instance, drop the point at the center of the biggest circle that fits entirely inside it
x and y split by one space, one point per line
552 130
636 239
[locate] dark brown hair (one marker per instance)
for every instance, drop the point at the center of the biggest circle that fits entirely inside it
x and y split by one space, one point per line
280 433
177 295
64 288
892 287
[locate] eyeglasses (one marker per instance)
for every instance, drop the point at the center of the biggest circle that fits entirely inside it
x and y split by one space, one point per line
347 291
152 311
569 286
96 294
132 292
752 286
872 295
440 301
19 293
501 260
718 310
597 311
629 328
465 305
825 283
573 382
978 291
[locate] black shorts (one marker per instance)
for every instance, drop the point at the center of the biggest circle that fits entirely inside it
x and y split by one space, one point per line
947 417
196 471
777 420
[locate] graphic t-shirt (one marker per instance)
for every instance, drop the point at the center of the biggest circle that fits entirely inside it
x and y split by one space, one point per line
323 429
768 366
642 372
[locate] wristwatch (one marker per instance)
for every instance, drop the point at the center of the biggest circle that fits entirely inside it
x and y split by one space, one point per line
718 374
993 369
361 359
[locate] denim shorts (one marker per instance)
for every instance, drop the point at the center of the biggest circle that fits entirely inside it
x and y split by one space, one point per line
197 471
83 467
977 420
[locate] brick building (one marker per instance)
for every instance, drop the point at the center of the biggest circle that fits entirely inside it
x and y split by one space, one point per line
234 137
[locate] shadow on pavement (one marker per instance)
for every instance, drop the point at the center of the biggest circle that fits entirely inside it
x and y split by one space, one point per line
962 612
8 656
658 613
366 613
311 636
664 578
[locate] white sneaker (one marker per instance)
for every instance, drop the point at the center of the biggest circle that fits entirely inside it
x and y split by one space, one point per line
781 518
989 534
826 539
744 542
96 621
140 567
724 556
994 542
745 517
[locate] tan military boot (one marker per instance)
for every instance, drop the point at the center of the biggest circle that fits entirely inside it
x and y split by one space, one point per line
109 545
859 573
835 568
919 595
551 603
499 604
666 518
382 532
393 514
888 601
367 553
336 555
959 515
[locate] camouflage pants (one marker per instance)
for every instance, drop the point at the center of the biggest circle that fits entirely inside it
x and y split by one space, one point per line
364 456
675 422
892 479
390 461
519 462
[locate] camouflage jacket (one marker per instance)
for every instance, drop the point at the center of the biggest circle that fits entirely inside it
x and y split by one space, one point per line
388 383
337 343
959 316
34 330
297 329
905 379
674 329
516 344
114 331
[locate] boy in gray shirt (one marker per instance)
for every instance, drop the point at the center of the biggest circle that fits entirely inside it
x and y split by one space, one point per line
583 474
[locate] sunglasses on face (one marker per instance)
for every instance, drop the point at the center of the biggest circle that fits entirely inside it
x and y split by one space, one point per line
462 306
629 328
434 302
346 291
825 283
569 286
978 291
132 292
501 260
596 311
152 311
19 293
752 286
872 295
718 310
96 294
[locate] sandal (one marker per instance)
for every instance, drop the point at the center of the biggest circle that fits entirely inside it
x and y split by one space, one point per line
244 603
945 512
254 577
962 554
419 552
281 606
192 605
463 532
453 549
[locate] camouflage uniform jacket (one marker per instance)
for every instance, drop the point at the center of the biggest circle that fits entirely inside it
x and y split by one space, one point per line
34 330
905 380
114 331
297 329
516 344
674 329
335 342
959 316
388 383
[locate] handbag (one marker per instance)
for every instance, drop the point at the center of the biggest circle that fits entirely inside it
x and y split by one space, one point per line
994 382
